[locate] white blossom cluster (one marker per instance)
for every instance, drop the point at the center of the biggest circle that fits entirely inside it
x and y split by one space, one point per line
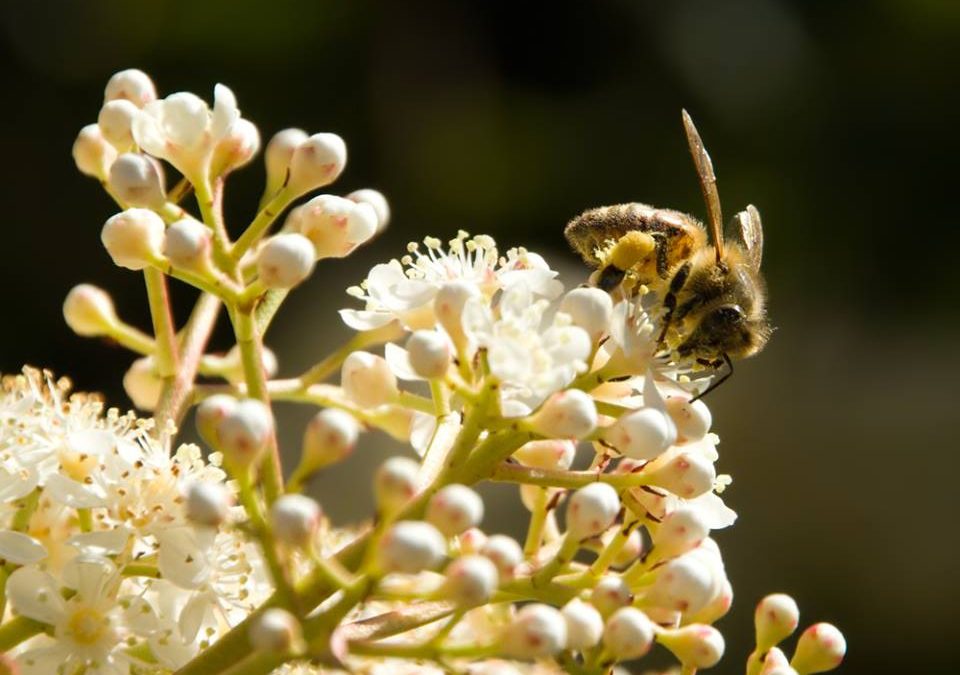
124 552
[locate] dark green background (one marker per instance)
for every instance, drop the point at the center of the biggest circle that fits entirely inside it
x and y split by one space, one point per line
837 119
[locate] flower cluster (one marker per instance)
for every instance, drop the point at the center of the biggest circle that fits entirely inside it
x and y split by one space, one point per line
125 552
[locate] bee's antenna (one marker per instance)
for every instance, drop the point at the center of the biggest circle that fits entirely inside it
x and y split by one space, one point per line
708 183
723 378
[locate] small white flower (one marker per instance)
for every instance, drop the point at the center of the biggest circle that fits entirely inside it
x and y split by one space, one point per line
776 617
536 631
470 580
375 199
295 520
610 593
134 238
411 546
92 153
330 436
89 311
334 225
584 624
591 510
276 630
454 509
277 157
137 180
395 483
285 260
821 648
628 634
131 85
188 244
505 553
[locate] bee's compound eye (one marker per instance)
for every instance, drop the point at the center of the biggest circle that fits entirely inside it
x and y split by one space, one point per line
730 315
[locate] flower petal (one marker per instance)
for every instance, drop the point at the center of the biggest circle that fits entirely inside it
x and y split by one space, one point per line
74 494
104 543
20 549
35 595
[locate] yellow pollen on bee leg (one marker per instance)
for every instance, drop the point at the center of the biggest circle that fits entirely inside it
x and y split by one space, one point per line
631 249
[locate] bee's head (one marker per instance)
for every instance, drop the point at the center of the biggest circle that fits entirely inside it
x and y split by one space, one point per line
726 329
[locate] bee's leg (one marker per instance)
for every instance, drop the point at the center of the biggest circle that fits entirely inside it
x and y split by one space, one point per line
723 378
670 300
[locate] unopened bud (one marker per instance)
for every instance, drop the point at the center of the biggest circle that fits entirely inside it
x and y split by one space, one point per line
717 608
232 365
277 157
472 541
429 353
316 162
471 580
89 311
142 383
550 453
774 662
590 309
692 418
631 549
641 434
285 261
188 244
245 432
277 631
591 510
367 380
566 414
329 438
375 199
504 552
411 546
295 520
686 474
134 238
92 153
775 618
208 504
536 631
609 594
821 648
132 85
628 634
240 144
684 584
210 413
395 483
584 624
680 531
116 121
448 306
696 645
136 180
335 226
454 509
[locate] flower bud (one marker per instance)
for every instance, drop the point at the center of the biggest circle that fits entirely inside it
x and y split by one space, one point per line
472 541
641 434
276 630
329 438
584 625
591 510
116 122
367 380
207 504
395 483
411 546
471 580
210 413
240 144
316 162
132 85
821 648
335 226
92 153
536 631
245 432
684 584
455 508
277 157
232 365
776 618
504 552
550 453
448 306
89 311
773 662
631 549
142 383
680 531
136 180
695 645
628 634
376 200
686 474
285 260
566 414
717 608
610 593
134 238
429 354
692 418
188 244
295 520
590 308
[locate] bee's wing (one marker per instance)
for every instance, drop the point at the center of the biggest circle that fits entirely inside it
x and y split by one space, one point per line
708 183
751 233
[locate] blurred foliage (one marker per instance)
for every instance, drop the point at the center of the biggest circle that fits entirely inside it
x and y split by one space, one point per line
834 117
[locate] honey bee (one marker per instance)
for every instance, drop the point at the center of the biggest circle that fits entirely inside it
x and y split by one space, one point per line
712 294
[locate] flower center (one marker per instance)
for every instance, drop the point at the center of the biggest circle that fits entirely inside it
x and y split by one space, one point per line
87 626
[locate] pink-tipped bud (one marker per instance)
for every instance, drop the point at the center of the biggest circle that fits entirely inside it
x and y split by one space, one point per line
316 162
686 474
551 453
207 504
536 631
717 608
566 414
471 580
642 434
132 85
285 260
821 648
245 431
429 353
590 309
584 625
368 380
295 520
472 541
116 122
684 584
680 531
210 413
395 483
329 438
591 510
335 226
775 618
411 546
89 311
277 157
628 634
92 153
142 383
773 661
695 645
454 509
237 148
448 306
276 631
609 594
376 200
188 244
134 238
504 552
692 419
138 181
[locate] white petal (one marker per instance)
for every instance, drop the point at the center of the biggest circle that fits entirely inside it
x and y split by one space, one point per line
16 484
43 661
716 514
35 595
106 542
140 617
195 613
171 652
399 361
364 320
74 494
181 559
225 110
92 577
185 118
20 549
147 132
92 442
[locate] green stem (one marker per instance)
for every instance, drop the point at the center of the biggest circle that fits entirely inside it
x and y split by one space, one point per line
25 510
209 199
17 630
162 323
268 306
517 473
85 518
367 338
563 556
261 223
538 519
